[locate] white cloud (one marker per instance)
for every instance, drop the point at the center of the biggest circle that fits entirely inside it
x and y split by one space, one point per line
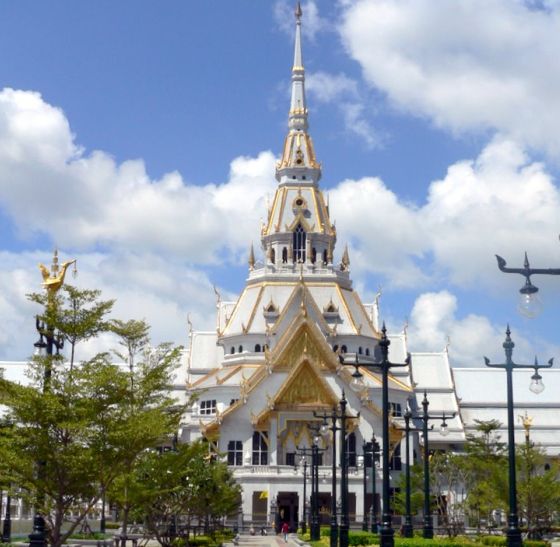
312 22
145 286
466 65
344 93
500 202
434 324
84 200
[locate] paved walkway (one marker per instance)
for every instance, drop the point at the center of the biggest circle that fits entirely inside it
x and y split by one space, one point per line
246 540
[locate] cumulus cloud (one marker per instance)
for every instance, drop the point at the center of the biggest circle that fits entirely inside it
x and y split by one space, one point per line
499 202
345 94
435 323
145 286
83 201
314 23
468 65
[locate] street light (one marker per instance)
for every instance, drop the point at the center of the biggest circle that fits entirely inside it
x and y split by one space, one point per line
7 526
371 448
408 529
530 304
513 533
314 528
428 528
387 533
303 523
49 341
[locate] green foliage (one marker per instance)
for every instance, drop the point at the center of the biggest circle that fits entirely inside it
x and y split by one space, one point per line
538 490
85 423
485 467
362 538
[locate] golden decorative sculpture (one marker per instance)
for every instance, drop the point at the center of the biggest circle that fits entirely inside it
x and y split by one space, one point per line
54 279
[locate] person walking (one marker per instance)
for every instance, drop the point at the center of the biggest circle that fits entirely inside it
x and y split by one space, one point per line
285 530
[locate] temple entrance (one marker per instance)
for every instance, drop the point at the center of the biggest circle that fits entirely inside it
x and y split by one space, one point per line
288 510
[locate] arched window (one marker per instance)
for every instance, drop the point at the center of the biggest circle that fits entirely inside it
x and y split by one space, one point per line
343 349
240 349
299 244
313 255
273 256
284 255
325 257
360 350
232 350
335 348
257 348
367 352
351 449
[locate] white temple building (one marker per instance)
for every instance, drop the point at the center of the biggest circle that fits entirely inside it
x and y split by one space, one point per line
284 351
276 356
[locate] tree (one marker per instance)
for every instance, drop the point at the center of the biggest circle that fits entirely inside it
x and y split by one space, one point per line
449 474
77 427
485 472
186 485
538 489
148 375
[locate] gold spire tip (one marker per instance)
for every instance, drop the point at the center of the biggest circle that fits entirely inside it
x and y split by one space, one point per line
298 11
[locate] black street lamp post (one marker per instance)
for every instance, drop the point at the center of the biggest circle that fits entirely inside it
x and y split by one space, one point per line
7 527
374 460
513 533
386 533
371 448
49 341
365 451
428 528
304 452
314 527
408 529
342 418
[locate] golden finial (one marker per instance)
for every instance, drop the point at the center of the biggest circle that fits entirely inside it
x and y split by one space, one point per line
345 258
251 258
53 280
527 422
298 11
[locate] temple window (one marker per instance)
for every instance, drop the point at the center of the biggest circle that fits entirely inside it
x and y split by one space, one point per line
232 350
396 409
235 453
313 255
335 348
367 352
299 244
208 407
240 350
343 349
291 459
257 348
351 449
395 464
325 257
273 256
360 350
284 255
260 448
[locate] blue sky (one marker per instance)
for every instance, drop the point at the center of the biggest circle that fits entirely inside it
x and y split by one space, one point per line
140 137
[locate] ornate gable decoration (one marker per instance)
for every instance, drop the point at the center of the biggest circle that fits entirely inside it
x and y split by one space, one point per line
303 340
304 389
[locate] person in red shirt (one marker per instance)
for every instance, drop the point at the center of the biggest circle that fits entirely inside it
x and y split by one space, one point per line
285 530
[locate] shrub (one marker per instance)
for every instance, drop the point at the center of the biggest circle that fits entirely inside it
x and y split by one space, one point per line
362 538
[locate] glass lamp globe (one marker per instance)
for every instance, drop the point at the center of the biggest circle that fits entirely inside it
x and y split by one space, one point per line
536 385
324 429
356 383
443 429
529 304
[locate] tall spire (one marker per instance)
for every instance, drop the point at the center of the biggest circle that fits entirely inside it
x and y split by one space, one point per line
298 110
298 148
